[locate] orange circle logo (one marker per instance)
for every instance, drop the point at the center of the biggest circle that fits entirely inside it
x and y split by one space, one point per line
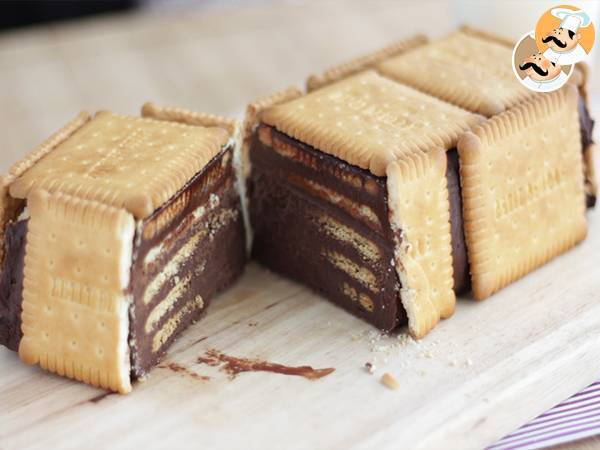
565 34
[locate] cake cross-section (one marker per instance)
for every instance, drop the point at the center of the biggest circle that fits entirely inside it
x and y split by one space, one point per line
117 232
349 193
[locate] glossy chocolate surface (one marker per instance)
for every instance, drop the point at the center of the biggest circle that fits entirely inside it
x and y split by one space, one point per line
586 124
11 284
199 243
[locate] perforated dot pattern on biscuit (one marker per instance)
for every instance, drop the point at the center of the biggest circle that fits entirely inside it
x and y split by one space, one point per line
392 120
513 228
419 215
75 318
187 117
103 159
462 69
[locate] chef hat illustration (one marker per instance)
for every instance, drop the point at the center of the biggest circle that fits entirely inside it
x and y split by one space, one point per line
571 20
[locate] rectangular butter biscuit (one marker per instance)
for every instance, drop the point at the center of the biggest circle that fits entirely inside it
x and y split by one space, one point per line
523 196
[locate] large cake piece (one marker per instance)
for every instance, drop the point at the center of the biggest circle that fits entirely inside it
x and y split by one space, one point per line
117 233
349 194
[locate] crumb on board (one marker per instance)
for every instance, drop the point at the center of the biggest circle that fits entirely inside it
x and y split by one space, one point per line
428 354
370 367
390 381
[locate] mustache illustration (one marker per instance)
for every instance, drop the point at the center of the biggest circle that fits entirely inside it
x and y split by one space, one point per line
535 67
556 41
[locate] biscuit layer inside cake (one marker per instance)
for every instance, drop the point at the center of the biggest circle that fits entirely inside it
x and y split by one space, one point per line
186 252
324 222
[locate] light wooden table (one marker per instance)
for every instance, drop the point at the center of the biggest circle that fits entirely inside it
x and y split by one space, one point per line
214 62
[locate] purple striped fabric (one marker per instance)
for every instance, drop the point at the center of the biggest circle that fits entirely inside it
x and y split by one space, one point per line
575 418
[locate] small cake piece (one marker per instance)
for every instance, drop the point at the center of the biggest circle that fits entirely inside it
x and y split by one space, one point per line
472 69
117 233
522 180
348 193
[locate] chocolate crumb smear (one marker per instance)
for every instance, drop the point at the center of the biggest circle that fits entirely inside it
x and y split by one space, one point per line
98 398
178 368
234 366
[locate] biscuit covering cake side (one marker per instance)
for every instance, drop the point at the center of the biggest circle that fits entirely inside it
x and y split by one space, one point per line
522 208
124 228
348 194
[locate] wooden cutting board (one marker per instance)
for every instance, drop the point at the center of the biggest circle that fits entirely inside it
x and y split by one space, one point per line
490 368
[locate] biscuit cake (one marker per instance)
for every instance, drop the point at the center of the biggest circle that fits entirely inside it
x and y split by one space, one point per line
469 68
400 179
117 233
348 190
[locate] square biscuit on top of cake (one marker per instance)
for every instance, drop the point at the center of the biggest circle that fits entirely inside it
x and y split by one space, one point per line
348 194
460 68
117 232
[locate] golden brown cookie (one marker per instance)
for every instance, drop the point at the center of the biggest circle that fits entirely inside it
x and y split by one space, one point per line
522 181
9 206
368 121
364 62
107 160
462 69
187 117
420 217
254 109
75 318
47 146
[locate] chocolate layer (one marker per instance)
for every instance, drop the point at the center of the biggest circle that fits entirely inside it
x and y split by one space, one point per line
324 223
187 251
586 124
460 261
11 284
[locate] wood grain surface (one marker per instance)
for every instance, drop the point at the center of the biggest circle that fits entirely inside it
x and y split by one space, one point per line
492 367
